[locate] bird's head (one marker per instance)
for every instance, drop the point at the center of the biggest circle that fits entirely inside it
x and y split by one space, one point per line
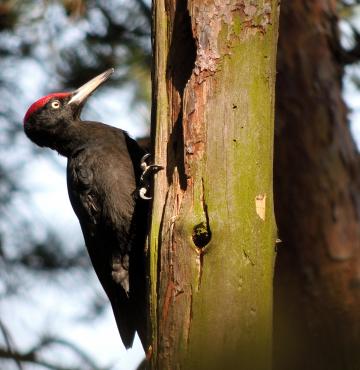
54 112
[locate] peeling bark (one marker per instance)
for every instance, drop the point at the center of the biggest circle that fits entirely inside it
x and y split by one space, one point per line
211 255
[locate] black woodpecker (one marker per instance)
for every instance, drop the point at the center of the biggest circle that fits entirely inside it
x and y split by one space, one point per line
104 174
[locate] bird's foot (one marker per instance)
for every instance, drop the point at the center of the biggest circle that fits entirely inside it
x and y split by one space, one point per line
148 171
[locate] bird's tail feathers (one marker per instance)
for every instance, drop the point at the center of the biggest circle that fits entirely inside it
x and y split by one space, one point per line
124 317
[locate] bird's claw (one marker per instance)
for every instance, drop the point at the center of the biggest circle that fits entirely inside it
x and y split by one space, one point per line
143 163
148 170
142 193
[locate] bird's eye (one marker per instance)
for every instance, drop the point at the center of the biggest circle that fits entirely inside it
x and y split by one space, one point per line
55 104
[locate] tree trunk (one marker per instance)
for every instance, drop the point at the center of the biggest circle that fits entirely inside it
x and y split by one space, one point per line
213 230
317 300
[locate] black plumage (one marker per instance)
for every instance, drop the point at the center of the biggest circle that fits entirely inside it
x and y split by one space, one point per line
103 174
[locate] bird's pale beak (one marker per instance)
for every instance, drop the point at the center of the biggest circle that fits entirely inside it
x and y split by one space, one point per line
80 95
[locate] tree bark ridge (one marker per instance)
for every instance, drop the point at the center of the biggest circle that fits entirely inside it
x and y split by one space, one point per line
213 229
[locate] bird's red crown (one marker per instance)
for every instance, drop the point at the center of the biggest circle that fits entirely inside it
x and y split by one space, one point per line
41 102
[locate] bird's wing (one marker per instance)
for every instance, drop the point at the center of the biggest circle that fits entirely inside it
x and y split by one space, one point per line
100 190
